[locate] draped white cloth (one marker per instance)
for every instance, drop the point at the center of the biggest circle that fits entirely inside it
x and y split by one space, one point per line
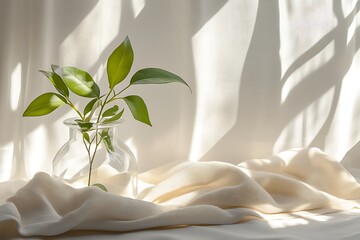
301 182
266 76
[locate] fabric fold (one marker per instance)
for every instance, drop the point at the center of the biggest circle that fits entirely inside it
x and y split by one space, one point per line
202 193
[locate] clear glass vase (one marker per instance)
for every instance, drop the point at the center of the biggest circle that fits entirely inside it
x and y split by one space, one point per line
95 155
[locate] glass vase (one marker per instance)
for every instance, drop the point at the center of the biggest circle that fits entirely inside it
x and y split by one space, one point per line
95 155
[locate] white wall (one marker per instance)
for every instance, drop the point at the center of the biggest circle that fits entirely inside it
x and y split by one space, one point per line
266 76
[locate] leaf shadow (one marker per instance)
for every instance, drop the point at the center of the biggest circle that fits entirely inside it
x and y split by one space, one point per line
262 116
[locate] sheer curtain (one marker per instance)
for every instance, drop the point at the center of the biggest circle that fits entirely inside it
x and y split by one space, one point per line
266 76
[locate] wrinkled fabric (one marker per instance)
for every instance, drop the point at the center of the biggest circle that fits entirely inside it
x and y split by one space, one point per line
203 193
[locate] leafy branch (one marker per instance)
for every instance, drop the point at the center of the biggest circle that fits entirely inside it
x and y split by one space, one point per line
97 110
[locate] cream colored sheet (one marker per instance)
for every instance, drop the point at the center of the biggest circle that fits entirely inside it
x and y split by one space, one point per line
291 184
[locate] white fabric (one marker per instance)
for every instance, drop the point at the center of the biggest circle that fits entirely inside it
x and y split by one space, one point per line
266 76
292 183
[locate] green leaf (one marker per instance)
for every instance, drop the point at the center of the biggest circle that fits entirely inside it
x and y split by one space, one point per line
92 106
57 81
86 136
85 126
54 67
44 104
111 111
107 140
80 82
114 118
104 133
93 109
155 76
119 63
89 106
99 185
138 108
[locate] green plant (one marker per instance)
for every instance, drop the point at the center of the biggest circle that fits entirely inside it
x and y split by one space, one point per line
97 110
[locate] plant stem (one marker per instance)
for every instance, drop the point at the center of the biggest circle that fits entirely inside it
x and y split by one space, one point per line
92 158
73 107
89 156
103 105
122 90
106 101
90 170
113 98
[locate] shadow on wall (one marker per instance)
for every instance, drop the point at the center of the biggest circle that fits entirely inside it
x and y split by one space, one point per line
352 158
23 31
262 116
163 41
158 27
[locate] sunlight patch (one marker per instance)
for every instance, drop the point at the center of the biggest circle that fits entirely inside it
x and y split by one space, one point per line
137 6
15 87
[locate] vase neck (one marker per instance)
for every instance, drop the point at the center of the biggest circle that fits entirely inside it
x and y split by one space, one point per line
77 133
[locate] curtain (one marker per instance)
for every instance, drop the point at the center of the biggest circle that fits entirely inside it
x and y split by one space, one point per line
265 75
